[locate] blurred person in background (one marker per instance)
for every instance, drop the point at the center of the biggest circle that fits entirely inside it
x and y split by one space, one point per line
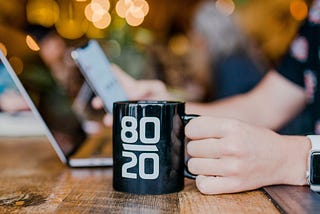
56 55
235 64
219 59
233 146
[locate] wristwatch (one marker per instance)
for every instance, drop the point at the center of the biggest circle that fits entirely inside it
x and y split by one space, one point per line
314 163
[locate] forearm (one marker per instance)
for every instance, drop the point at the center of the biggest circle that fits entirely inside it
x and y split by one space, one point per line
233 107
243 107
246 108
271 104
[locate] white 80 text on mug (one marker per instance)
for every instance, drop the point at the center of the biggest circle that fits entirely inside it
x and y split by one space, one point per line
130 135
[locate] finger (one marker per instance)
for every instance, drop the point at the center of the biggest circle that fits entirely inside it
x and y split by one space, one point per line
97 103
136 90
217 185
142 89
214 167
122 76
210 127
128 83
152 89
205 166
207 148
108 120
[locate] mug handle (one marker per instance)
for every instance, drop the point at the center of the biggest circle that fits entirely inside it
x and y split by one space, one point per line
186 119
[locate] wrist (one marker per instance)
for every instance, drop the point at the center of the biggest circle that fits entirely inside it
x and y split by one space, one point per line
296 152
313 163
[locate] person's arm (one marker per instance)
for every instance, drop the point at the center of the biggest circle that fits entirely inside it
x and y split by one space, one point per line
272 103
231 156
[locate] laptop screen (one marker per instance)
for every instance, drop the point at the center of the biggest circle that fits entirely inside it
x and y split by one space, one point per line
52 103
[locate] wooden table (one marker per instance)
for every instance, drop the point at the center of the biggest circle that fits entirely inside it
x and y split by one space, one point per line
33 180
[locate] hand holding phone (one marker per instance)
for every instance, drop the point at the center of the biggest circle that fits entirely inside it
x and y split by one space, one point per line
96 68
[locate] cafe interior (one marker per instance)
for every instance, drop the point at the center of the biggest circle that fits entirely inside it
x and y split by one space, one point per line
152 39
192 46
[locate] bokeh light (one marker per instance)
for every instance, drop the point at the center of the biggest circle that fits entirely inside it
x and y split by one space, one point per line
141 4
103 22
133 11
70 29
226 7
88 12
97 13
143 36
104 4
298 9
179 44
122 6
3 49
16 64
45 13
132 20
136 12
31 43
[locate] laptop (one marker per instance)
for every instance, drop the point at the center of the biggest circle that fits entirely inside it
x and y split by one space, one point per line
62 125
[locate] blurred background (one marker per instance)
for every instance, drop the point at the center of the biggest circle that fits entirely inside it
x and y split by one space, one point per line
167 39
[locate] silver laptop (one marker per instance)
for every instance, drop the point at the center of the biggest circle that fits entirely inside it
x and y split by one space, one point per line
63 127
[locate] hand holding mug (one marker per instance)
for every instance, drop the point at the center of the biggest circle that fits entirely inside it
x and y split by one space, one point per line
232 156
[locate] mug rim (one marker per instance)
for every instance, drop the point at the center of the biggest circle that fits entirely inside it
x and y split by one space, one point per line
149 102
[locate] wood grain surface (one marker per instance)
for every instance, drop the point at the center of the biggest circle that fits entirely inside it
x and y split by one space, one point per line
295 199
33 180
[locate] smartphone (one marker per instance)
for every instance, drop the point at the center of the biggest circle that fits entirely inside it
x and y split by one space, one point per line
96 69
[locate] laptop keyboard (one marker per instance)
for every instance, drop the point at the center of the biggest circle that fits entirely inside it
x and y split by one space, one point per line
96 146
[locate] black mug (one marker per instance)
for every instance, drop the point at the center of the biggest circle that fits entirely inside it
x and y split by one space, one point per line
149 146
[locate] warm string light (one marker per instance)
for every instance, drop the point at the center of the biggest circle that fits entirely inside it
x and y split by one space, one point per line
179 45
227 7
16 64
45 13
48 13
133 11
31 43
3 49
71 23
97 12
298 9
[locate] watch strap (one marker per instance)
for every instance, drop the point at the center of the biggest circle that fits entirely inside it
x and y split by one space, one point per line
315 142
